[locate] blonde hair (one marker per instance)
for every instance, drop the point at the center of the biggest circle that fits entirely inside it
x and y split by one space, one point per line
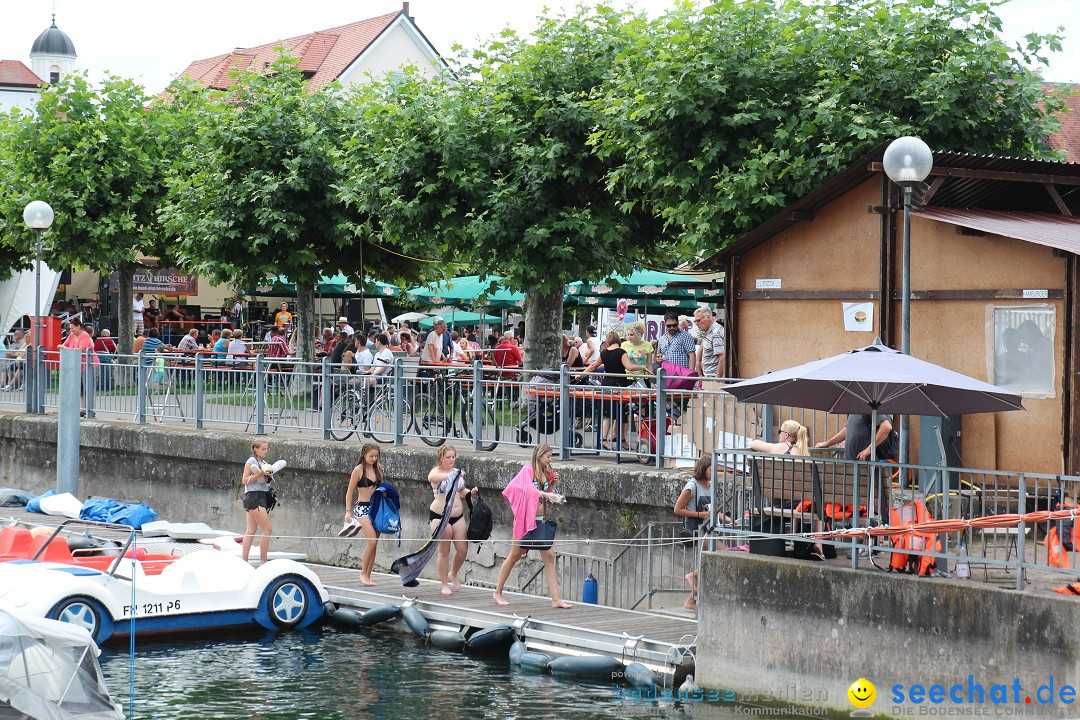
257 443
443 450
547 473
801 434
638 328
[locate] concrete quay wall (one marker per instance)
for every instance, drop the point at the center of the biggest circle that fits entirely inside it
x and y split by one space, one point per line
194 476
809 632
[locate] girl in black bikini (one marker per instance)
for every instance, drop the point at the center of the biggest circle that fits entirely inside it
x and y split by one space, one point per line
365 477
456 529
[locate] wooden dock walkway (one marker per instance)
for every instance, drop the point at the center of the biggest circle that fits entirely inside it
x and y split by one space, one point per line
664 643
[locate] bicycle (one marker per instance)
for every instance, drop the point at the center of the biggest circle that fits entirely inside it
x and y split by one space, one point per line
374 407
435 407
380 422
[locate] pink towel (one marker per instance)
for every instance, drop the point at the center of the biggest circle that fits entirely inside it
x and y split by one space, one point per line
524 499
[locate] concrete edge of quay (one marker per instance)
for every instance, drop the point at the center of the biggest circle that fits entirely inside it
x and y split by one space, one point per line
814 630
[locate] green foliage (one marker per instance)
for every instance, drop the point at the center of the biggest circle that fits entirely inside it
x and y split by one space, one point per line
98 157
724 115
251 193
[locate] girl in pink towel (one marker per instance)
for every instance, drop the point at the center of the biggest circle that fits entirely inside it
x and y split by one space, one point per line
529 494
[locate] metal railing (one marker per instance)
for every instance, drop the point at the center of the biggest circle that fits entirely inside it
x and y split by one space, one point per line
481 406
1002 518
655 560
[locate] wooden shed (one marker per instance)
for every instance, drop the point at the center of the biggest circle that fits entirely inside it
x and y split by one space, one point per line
994 290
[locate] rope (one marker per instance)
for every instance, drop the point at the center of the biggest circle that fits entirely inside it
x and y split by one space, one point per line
131 661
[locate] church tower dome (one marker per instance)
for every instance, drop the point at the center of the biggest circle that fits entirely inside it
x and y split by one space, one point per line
53 54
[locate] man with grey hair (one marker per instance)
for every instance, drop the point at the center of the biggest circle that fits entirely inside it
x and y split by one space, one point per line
712 343
507 353
432 352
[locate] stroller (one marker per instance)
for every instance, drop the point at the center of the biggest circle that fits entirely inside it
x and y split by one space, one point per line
543 417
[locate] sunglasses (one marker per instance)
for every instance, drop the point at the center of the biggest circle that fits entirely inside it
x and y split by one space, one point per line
671 326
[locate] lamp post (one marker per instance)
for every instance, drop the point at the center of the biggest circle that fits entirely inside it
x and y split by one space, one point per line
38 216
907 162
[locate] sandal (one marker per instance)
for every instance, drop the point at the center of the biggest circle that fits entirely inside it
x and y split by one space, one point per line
817 557
606 445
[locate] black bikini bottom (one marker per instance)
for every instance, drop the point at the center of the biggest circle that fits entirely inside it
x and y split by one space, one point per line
438 516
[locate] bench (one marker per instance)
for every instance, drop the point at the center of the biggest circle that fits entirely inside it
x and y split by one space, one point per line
800 489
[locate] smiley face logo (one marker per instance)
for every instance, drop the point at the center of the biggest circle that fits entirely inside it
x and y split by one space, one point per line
862 693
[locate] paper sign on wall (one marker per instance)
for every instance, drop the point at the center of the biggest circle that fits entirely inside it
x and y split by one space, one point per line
859 317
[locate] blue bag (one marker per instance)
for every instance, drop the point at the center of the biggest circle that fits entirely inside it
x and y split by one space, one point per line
385 510
35 503
98 509
133 515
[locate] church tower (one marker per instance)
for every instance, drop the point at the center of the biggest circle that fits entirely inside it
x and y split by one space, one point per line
53 54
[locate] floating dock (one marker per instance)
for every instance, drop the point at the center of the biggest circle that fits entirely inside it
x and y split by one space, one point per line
663 643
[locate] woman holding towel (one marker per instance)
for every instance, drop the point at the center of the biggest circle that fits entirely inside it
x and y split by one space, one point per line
529 494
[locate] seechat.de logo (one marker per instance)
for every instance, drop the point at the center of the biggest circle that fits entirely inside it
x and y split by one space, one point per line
862 694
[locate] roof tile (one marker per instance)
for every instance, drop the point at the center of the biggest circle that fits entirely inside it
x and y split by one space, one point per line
14 72
325 53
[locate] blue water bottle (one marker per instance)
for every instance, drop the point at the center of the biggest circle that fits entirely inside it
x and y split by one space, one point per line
588 590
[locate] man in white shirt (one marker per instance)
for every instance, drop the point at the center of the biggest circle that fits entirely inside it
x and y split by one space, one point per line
237 349
137 307
344 326
432 353
382 362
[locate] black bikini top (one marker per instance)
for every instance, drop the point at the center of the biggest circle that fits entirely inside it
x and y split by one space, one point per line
365 483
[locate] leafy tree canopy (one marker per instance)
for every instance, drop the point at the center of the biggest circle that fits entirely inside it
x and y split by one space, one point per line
727 113
98 157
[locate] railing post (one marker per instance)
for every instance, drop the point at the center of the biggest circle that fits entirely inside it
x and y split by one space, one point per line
648 564
40 382
29 363
1021 531
566 424
140 382
660 433
477 403
855 498
399 401
200 391
768 421
260 395
89 380
326 399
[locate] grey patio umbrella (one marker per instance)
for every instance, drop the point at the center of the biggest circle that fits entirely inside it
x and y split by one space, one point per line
876 379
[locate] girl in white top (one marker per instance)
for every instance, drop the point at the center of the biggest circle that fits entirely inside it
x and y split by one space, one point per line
256 496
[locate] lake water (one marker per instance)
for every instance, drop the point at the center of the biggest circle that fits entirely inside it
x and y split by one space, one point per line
330 674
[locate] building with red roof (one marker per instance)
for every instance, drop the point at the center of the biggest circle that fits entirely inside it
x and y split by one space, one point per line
346 53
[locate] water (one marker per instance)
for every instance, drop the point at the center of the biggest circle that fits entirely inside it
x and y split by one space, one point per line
330 674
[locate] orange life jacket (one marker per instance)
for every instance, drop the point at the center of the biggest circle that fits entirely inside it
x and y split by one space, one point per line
1056 555
1070 589
832 511
913 513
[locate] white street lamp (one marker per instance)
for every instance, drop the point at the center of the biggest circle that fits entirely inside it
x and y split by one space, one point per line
38 216
907 162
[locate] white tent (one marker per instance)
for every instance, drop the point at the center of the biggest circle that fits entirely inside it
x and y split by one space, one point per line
17 295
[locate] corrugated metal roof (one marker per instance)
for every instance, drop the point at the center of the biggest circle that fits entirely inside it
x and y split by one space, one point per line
1056 231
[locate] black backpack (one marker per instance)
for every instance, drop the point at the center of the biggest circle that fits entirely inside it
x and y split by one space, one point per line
479 520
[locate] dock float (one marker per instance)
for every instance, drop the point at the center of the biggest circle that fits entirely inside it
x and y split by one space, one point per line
663 643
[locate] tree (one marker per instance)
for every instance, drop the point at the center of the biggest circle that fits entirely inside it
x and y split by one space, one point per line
740 107
494 169
254 193
98 156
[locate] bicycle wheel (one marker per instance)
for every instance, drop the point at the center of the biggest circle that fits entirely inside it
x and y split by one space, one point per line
429 419
379 425
344 416
489 429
